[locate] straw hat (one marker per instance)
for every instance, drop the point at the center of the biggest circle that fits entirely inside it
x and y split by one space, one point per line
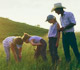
57 5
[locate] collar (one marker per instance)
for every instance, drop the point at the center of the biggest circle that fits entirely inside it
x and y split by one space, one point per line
63 14
54 23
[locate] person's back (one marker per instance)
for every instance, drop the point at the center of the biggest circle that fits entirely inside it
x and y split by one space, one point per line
8 40
36 39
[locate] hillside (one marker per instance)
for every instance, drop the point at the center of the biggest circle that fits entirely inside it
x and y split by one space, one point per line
10 28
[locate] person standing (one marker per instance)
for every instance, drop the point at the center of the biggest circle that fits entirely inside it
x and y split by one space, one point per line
68 22
53 36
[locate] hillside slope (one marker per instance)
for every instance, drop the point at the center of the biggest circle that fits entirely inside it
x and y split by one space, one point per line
10 28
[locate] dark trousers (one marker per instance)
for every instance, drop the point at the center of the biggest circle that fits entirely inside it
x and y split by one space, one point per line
68 40
41 50
53 49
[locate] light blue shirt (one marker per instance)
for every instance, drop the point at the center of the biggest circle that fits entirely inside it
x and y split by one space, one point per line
36 39
66 19
7 41
53 30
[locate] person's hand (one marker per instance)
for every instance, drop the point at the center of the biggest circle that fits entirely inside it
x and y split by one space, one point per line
61 29
20 56
17 61
57 45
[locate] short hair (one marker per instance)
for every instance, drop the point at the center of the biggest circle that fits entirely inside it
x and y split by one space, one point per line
26 36
18 40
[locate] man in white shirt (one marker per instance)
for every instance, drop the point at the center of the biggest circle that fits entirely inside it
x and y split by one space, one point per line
68 36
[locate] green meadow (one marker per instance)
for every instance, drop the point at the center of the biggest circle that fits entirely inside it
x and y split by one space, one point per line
12 28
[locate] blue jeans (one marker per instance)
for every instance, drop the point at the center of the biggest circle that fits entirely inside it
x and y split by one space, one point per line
53 49
68 40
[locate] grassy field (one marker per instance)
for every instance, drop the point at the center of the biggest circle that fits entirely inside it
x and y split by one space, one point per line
28 62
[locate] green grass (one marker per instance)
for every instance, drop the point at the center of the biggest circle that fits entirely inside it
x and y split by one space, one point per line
12 28
28 62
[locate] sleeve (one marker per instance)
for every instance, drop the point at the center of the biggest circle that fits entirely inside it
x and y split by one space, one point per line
72 18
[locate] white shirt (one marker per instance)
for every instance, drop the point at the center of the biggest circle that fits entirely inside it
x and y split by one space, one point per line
7 41
66 19
53 30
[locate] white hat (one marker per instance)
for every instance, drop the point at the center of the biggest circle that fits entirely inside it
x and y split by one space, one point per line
57 5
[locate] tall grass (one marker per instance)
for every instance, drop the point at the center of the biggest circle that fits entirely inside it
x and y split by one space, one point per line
9 28
29 63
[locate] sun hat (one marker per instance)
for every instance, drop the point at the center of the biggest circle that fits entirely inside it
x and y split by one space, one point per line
57 5
49 17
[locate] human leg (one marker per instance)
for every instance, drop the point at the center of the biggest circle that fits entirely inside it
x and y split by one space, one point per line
74 46
7 51
66 47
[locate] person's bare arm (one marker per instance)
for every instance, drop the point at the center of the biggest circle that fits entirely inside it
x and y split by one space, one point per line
58 36
20 53
67 27
14 52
